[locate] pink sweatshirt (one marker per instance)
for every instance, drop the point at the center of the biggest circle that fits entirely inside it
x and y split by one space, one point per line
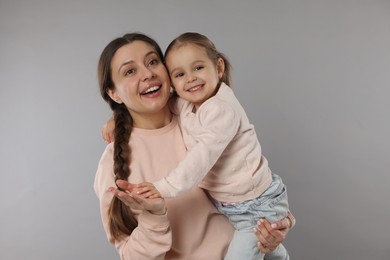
224 153
192 229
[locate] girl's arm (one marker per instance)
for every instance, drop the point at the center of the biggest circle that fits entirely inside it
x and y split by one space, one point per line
108 130
216 127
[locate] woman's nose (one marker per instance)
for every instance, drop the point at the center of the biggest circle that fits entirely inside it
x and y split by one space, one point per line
147 73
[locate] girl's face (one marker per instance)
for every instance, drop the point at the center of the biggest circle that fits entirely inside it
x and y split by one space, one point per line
193 74
140 78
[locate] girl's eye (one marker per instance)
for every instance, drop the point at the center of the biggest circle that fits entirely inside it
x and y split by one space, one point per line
178 75
198 67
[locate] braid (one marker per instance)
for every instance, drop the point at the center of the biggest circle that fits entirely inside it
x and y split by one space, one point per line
123 126
123 223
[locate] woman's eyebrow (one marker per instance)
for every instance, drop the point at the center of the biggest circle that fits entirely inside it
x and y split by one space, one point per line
124 64
131 61
150 53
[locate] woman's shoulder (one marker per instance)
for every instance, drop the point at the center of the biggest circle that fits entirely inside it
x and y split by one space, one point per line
178 105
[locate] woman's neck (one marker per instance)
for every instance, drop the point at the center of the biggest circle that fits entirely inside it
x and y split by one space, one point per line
153 120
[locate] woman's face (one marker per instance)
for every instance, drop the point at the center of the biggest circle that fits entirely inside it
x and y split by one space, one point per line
140 78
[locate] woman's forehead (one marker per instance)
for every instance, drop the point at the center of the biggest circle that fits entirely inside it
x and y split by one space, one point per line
135 49
132 52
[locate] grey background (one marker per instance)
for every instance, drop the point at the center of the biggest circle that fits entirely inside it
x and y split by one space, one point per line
314 77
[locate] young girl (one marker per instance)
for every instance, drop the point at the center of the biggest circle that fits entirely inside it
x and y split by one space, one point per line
224 156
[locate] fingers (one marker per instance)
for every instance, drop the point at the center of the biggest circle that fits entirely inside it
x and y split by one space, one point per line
147 190
105 134
142 189
130 199
146 193
126 185
281 224
263 249
264 224
108 130
269 238
126 198
155 196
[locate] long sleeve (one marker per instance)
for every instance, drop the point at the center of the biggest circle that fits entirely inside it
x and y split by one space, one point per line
216 125
151 239
224 155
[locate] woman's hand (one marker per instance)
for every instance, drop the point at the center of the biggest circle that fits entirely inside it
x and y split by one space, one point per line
134 201
108 130
271 235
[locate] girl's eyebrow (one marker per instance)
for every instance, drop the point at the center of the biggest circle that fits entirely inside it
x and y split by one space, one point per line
192 63
172 71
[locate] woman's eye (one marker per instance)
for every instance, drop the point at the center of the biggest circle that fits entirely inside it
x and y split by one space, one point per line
129 72
153 62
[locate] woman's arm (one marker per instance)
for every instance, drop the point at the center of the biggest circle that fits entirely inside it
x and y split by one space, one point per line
152 238
271 235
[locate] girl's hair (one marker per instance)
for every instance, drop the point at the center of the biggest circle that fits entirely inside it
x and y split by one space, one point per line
204 42
121 220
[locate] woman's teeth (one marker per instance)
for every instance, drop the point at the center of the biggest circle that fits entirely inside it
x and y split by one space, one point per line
152 89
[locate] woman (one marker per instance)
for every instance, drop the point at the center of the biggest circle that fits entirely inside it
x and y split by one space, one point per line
148 145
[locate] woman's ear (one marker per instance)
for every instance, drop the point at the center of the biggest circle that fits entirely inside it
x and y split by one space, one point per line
220 67
114 96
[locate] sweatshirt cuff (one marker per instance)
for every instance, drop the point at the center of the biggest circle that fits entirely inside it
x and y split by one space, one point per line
153 221
161 186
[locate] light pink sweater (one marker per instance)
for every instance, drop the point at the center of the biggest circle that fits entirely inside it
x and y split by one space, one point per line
224 153
193 228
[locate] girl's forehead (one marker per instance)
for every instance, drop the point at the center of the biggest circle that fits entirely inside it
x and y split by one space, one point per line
188 48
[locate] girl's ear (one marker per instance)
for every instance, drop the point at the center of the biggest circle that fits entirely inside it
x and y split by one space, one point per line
220 67
114 96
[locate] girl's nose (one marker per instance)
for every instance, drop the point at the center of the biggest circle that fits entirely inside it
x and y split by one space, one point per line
191 78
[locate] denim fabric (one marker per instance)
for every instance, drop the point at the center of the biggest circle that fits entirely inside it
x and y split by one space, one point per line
271 205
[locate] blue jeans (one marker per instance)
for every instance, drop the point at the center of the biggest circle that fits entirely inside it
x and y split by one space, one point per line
272 205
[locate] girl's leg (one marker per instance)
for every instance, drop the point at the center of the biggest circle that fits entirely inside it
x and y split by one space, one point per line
280 253
243 246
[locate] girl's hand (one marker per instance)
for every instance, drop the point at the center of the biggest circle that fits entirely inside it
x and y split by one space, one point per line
134 201
147 190
108 130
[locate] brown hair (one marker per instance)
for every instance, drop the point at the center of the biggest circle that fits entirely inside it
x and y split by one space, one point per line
204 42
121 220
